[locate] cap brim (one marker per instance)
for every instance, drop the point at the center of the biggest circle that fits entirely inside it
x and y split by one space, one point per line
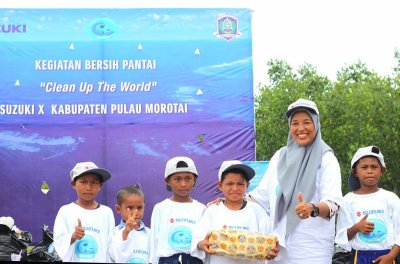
104 174
354 182
294 109
248 171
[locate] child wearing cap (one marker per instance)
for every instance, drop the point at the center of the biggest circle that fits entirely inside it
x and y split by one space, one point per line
173 219
369 218
131 241
234 212
83 228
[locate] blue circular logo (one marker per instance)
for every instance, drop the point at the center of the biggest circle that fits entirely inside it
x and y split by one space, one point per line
103 28
378 235
180 238
86 248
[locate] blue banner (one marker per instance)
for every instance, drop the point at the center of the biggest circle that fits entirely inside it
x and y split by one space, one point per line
125 88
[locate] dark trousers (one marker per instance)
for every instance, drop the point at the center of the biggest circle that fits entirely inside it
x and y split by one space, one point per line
367 256
174 259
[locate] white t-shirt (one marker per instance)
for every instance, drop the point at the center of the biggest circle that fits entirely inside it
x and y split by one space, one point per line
383 209
99 227
251 218
311 241
171 227
135 249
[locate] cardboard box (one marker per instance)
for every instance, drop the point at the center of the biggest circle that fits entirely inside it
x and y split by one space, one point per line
242 244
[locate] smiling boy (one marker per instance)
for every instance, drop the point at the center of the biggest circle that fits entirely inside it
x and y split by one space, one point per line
234 212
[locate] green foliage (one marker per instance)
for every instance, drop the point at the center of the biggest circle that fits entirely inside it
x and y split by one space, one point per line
360 108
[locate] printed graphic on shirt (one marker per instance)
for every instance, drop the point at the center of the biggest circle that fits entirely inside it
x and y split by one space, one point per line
378 235
236 227
180 237
370 212
136 261
139 256
86 248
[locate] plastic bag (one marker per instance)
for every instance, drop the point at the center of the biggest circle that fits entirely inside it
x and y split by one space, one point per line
12 244
44 251
341 256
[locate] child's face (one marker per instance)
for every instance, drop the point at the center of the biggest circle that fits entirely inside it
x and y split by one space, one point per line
234 186
302 128
181 183
87 187
369 170
132 206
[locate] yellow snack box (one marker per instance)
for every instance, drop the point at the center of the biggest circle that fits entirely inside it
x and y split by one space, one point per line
242 244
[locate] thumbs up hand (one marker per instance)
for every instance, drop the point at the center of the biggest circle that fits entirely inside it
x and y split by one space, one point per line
303 209
79 232
300 198
364 226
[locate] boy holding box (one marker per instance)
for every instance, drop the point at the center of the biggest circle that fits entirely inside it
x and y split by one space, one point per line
233 213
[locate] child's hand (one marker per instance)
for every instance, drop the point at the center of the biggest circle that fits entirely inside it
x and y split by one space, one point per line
130 224
205 245
384 259
364 226
79 232
273 252
216 201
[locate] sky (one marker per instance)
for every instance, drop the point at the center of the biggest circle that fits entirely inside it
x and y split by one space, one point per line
329 35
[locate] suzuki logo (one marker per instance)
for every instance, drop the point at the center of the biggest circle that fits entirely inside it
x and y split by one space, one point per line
13 28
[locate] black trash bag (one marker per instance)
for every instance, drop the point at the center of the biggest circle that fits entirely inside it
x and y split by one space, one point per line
25 237
44 251
10 243
341 256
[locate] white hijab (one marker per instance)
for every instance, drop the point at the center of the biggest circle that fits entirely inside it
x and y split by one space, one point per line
297 172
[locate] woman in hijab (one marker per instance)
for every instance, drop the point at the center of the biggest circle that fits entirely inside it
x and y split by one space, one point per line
301 190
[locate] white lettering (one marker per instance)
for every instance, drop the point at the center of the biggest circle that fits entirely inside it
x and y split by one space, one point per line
58 65
17 109
79 109
172 108
139 64
101 65
126 108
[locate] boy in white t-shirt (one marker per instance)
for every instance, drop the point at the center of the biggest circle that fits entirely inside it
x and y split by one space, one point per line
173 219
83 229
234 212
131 241
369 218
